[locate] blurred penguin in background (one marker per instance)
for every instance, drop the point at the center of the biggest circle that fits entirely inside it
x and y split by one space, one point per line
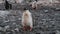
34 4
7 5
27 20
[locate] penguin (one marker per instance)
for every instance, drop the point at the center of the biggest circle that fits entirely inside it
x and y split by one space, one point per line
34 5
6 4
27 20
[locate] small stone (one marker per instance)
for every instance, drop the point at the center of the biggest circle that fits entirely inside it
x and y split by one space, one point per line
37 33
4 13
17 29
0 28
6 21
58 9
53 33
7 26
46 11
58 32
19 18
14 23
9 32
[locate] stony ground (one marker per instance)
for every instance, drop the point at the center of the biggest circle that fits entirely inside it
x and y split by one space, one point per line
46 20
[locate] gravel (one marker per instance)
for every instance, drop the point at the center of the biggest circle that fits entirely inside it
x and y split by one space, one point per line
46 20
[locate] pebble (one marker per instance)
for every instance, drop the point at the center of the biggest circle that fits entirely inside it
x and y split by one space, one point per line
46 11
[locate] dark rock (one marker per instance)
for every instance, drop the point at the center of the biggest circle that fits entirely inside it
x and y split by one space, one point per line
37 33
52 33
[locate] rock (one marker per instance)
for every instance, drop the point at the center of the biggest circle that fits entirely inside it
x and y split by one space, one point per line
3 13
52 33
19 1
19 18
37 33
2 29
57 32
1 1
57 9
6 21
6 27
9 32
46 11
16 29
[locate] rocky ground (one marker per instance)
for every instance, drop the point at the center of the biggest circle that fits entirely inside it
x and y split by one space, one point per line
46 20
